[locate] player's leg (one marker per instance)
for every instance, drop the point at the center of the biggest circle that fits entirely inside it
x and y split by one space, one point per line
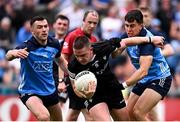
120 114
137 91
117 105
145 103
131 103
55 112
155 91
100 112
35 105
153 115
72 114
75 105
87 115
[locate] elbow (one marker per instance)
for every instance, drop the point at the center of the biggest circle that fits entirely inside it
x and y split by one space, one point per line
171 52
168 50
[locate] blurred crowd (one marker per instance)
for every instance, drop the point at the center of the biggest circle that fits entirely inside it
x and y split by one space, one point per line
15 18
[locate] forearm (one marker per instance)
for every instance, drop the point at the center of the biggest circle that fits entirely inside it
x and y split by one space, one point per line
61 73
65 56
135 40
135 77
63 65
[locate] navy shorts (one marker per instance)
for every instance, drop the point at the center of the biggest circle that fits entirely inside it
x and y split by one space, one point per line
161 86
48 100
112 97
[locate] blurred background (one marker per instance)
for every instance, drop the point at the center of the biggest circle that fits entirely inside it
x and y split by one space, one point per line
15 28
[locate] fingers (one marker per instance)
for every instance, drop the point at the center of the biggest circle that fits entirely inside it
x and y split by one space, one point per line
62 87
25 48
91 88
158 41
22 53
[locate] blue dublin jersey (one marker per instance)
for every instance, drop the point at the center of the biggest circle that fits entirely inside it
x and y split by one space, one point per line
159 67
36 70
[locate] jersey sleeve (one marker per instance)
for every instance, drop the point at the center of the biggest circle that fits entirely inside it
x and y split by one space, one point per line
22 46
106 47
115 42
71 72
146 49
68 44
55 44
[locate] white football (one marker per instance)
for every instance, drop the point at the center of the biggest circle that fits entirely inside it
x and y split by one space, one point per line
82 80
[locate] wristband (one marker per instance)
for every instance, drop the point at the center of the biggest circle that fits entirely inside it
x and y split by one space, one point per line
124 85
60 80
150 39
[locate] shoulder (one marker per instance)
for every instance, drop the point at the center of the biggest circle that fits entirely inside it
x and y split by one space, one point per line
52 42
27 43
74 66
70 36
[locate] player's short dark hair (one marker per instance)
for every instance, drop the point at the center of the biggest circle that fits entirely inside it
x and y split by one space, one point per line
36 18
145 9
87 12
81 42
134 15
63 17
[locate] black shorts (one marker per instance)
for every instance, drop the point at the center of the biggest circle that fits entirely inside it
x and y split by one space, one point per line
75 102
48 100
112 97
161 86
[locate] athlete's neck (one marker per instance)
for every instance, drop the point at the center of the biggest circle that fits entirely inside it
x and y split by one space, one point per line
41 42
58 36
87 34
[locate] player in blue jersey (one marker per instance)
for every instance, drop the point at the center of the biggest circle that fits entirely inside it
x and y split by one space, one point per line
152 77
37 89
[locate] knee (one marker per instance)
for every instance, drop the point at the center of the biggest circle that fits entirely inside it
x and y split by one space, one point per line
137 114
43 117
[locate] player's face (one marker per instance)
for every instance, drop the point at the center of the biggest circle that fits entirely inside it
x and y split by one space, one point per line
61 26
146 18
133 28
83 55
40 30
90 23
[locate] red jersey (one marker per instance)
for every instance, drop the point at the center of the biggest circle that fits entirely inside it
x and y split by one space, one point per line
68 43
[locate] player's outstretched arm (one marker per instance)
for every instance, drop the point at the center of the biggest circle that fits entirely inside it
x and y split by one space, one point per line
156 40
16 53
